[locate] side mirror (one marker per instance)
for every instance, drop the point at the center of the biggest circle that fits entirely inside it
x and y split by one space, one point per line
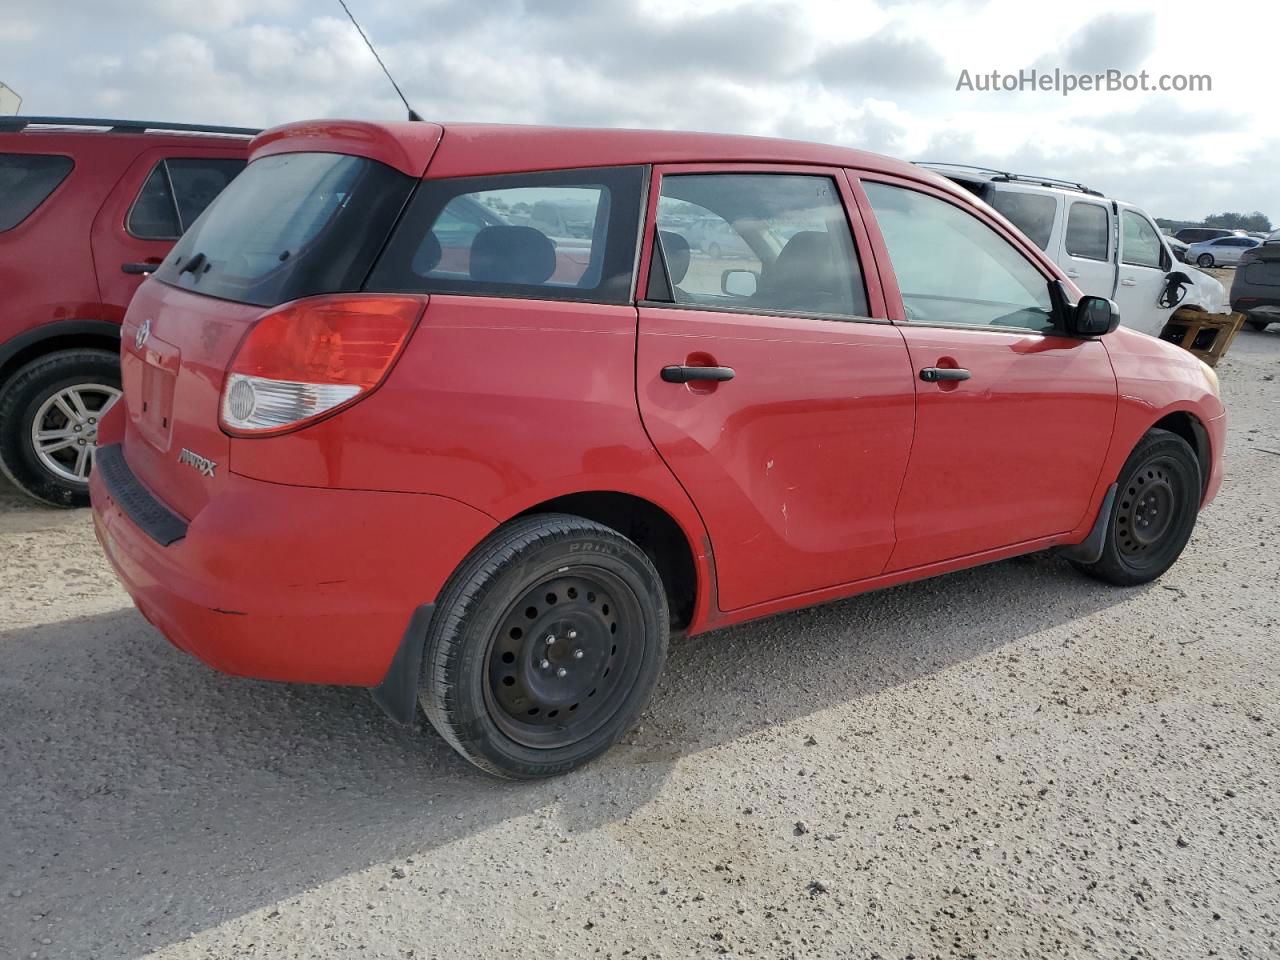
739 283
1093 317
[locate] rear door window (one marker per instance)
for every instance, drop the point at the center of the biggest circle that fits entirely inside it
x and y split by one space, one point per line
26 181
1087 233
773 243
562 235
292 225
176 192
1032 213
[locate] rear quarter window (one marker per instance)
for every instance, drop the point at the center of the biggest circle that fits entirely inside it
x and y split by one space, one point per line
26 181
559 235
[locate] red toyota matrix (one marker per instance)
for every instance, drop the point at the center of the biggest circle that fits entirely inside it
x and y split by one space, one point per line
478 417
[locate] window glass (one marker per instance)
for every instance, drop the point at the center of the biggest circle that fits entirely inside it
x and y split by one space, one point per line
26 180
1087 234
1032 213
154 215
954 269
1139 242
564 235
196 181
292 225
768 242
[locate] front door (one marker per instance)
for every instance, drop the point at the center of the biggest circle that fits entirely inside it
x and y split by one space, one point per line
1013 421
1143 273
1088 254
769 378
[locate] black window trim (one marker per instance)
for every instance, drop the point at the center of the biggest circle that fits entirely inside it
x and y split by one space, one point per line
50 195
889 180
831 173
1067 227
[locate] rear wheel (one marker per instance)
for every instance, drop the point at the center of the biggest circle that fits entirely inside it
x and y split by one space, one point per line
545 647
1205 260
49 416
1155 508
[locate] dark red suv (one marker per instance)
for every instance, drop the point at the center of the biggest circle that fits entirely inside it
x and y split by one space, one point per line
476 417
87 208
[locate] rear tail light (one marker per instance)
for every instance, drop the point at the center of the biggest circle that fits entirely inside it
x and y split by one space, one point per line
311 358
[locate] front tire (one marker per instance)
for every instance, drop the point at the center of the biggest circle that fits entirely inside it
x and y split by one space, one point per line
1205 260
1157 499
49 416
545 647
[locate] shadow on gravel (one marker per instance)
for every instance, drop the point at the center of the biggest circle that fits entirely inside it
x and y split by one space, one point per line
146 797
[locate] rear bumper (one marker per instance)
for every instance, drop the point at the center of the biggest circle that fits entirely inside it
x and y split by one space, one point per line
287 583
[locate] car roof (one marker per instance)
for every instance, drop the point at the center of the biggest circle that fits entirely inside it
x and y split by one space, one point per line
477 149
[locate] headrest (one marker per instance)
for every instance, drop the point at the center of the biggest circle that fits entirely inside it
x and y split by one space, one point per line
428 256
676 249
507 254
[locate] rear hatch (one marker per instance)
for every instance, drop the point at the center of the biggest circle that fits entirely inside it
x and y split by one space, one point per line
293 225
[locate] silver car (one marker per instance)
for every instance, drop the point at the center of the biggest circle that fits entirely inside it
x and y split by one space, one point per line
1220 252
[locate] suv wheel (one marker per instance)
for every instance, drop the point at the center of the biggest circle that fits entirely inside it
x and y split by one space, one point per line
49 416
1155 509
546 645
1205 260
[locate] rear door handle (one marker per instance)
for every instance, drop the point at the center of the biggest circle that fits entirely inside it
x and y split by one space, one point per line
689 374
1128 282
1073 274
935 374
143 268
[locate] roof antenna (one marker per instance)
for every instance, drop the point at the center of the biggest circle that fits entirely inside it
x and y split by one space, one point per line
413 114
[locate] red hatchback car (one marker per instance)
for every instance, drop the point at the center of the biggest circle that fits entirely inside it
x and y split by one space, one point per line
460 414
88 207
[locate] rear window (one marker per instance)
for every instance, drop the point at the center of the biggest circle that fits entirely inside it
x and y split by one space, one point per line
1032 213
292 225
26 180
562 235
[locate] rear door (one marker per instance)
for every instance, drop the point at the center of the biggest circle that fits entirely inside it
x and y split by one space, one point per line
794 443
1013 420
157 199
1088 252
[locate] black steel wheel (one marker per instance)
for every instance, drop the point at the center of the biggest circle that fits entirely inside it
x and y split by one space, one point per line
1157 499
545 646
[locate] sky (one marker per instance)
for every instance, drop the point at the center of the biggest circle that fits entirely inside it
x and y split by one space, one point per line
879 75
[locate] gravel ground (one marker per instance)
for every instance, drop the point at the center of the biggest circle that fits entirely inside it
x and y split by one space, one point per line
1008 762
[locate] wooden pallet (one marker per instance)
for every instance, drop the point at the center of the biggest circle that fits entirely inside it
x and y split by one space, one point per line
1207 335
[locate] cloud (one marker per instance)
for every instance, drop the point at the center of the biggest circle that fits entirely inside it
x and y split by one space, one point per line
1166 117
1120 41
884 61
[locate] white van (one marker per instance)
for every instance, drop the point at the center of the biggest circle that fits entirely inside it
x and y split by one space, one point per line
1108 247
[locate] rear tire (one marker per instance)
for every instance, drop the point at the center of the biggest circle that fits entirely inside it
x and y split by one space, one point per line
546 645
1154 512
1259 325
1205 260
61 393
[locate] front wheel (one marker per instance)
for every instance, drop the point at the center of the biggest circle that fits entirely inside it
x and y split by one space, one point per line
1205 260
49 416
1157 499
545 646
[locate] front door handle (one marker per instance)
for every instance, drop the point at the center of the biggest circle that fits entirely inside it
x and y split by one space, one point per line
1073 274
690 374
936 374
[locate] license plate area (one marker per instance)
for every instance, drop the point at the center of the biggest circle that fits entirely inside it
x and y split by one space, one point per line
149 378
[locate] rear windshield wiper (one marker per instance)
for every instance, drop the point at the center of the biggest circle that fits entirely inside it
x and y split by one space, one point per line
192 265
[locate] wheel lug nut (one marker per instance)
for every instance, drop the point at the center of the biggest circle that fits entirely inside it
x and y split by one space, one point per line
573 634
545 664
76 428
562 672
551 638
577 654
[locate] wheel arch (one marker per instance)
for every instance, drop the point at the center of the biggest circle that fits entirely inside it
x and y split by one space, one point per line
1189 427
54 337
667 543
